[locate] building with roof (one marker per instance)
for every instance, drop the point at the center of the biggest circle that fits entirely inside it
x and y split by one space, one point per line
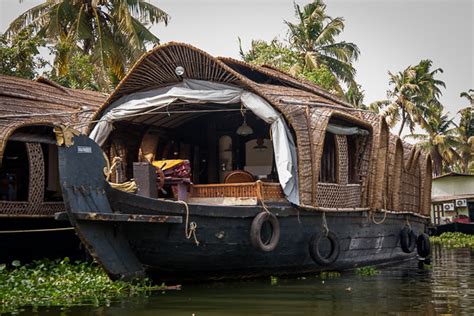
452 198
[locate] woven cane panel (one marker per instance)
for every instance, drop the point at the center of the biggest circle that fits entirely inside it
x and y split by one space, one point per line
343 159
297 118
426 181
411 191
319 119
23 209
238 190
338 196
394 173
36 185
270 191
273 191
364 165
36 174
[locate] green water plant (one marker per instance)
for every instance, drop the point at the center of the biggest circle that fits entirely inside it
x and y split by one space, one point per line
329 274
273 280
62 283
454 240
366 271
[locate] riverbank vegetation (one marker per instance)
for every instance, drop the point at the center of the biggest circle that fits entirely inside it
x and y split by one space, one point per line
454 240
366 271
62 283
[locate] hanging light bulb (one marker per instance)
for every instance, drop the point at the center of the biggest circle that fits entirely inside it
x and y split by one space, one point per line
244 129
179 70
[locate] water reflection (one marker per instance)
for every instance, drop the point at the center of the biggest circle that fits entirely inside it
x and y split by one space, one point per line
404 289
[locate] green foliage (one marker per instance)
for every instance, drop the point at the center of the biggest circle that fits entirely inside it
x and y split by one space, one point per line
282 57
366 271
314 38
323 77
413 96
19 55
273 53
329 275
311 51
114 33
355 96
81 74
464 134
273 280
62 283
454 240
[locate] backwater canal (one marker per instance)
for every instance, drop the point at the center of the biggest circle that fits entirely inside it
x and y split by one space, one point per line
404 289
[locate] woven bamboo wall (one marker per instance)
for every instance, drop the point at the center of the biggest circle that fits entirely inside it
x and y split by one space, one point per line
411 180
426 175
35 206
296 116
377 195
395 168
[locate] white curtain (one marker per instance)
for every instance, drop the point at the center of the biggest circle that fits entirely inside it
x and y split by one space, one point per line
197 91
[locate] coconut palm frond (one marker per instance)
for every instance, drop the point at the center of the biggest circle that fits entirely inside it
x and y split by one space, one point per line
342 70
343 51
330 31
148 13
32 17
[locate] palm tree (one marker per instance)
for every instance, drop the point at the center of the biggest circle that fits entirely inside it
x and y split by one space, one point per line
465 134
440 139
469 95
113 32
314 39
415 90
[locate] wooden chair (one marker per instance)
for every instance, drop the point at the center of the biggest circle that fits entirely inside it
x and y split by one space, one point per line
239 176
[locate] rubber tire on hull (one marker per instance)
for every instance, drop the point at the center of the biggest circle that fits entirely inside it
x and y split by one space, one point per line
315 252
407 240
423 245
256 229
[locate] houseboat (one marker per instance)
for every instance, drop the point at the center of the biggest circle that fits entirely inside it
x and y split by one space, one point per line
241 171
30 193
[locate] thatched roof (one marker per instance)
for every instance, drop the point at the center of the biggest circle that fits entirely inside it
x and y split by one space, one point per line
307 108
30 103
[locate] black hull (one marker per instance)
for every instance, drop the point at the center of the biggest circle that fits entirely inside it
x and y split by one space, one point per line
225 250
133 236
28 239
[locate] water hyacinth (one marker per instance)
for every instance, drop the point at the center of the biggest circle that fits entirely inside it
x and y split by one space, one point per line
366 271
62 283
454 240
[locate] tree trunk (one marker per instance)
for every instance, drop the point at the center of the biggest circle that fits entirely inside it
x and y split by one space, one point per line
437 161
404 118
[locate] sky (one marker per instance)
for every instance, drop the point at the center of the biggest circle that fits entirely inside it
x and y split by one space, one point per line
391 34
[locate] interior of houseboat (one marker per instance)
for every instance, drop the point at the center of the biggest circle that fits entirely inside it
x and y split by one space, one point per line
224 154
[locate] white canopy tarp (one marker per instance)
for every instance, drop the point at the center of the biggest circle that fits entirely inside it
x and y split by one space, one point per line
197 91
346 130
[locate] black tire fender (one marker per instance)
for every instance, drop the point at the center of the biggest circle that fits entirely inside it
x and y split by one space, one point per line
256 229
408 240
423 245
315 253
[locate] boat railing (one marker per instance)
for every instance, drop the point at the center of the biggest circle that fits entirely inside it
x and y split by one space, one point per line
259 189
334 195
